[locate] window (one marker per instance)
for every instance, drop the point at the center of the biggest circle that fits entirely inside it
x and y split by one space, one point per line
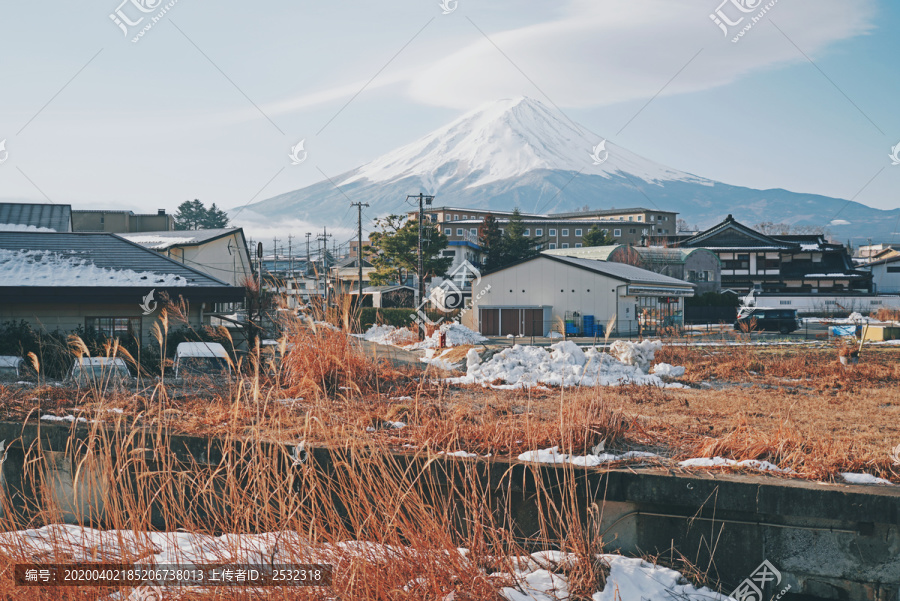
617 233
784 302
578 245
632 231
465 217
552 245
740 262
552 232
448 253
115 327
564 245
527 231
631 218
578 233
538 231
473 231
893 269
565 232
652 218
448 231
640 217
456 218
459 231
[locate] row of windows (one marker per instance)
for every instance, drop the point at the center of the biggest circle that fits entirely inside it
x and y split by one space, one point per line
538 232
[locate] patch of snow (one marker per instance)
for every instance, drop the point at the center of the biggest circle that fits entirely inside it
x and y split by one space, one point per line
755 464
554 334
401 398
458 454
635 353
65 418
535 575
856 478
455 335
666 371
552 455
21 227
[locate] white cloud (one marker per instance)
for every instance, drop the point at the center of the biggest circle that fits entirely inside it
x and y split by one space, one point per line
606 51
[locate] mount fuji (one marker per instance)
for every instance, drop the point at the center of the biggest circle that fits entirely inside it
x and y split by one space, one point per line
519 153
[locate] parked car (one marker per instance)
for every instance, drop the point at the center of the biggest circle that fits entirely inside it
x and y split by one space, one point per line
100 372
11 367
201 359
761 319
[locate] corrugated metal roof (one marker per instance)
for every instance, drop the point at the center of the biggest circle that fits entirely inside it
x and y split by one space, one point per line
650 254
91 251
621 271
55 217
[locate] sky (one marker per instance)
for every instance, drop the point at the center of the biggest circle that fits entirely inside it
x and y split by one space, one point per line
211 99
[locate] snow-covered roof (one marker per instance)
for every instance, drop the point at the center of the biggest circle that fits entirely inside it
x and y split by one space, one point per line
89 260
201 349
163 240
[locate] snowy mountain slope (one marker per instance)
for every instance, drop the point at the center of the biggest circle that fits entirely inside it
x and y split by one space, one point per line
518 152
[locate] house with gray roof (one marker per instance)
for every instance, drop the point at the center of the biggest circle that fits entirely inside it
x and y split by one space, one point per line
541 294
34 217
221 253
63 281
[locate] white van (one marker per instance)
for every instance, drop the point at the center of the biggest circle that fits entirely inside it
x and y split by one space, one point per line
201 358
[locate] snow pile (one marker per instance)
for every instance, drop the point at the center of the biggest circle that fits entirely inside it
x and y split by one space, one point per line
629 579
390 335
635 353
855 478
539 576
552 455
565 365
754 464
456 335
55 268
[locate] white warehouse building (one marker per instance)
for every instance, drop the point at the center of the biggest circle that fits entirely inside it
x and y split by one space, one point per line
533 297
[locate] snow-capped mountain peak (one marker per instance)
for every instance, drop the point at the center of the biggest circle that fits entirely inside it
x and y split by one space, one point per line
507 139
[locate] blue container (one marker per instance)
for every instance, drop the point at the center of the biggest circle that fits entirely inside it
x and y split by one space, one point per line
571 330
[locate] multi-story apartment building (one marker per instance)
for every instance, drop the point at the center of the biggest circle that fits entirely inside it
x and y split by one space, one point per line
463 227
121 222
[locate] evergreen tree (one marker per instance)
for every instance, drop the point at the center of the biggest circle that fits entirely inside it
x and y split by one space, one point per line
597 237
516 245
193 215
394 250
491 241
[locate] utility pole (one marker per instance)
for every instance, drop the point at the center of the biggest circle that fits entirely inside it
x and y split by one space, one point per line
324 238
275 253
308 234
423 200
290 255
359 206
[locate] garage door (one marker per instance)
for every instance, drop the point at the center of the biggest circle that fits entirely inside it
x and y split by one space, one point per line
510 322
489 322
533 322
